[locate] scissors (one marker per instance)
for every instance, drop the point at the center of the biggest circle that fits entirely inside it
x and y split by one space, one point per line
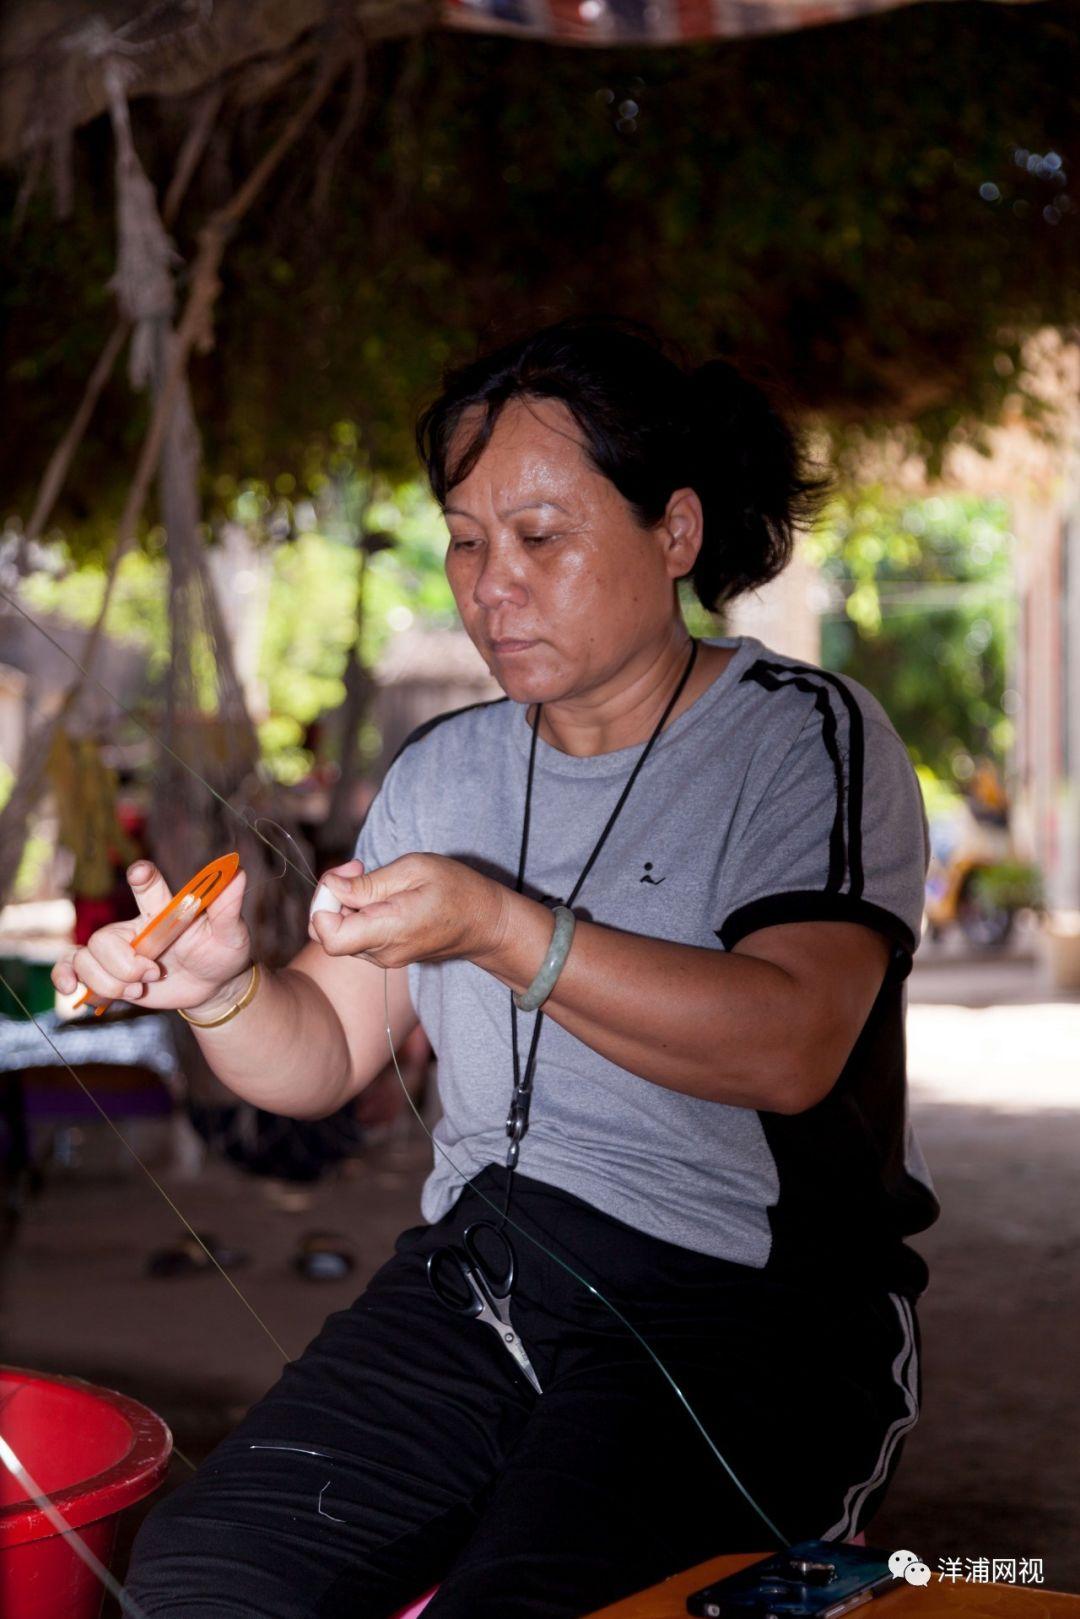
469 1283
167 926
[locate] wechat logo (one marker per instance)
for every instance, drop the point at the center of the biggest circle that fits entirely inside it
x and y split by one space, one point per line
907 1566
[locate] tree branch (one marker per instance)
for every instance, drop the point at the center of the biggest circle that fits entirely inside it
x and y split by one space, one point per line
194 329
354 106
191 152
59 463
56 471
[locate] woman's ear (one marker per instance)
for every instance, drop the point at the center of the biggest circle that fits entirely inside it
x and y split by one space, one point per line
681 531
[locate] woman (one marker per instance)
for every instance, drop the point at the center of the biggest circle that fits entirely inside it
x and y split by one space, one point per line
707 1120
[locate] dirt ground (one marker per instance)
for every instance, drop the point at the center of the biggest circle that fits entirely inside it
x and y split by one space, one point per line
993 1468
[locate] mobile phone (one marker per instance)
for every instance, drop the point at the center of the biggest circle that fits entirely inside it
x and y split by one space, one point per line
814 1579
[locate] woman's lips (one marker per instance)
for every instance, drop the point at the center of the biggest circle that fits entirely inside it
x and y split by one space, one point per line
511 646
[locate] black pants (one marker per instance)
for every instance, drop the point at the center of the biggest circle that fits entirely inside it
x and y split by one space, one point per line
404 1447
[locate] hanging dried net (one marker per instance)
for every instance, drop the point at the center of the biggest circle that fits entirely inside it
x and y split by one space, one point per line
205 721
205 718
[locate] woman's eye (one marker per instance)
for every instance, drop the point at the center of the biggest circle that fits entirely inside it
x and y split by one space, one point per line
536 539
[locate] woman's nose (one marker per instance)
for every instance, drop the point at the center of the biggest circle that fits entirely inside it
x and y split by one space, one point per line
499 581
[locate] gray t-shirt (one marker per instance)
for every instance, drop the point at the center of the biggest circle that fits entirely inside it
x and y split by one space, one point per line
781 794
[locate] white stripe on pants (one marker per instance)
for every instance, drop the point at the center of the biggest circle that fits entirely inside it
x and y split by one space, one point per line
905 1374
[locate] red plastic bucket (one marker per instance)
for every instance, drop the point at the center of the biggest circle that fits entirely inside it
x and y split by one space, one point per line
92 1452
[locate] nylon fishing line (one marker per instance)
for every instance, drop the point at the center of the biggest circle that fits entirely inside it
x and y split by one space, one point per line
151 1177
48 1508
78 1545
308 876
266 820
252 826
563 1264
590 1287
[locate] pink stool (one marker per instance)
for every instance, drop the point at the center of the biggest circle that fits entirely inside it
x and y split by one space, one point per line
416 1608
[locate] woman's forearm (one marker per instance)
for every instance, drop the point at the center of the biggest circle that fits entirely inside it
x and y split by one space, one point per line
766 1027
285 1051
725 1027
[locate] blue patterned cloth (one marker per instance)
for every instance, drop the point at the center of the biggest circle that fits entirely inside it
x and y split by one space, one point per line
132 1042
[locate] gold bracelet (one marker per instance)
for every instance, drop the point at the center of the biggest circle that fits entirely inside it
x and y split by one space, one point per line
214 1023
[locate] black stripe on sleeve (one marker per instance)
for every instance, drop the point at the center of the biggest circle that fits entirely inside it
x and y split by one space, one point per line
856 767
767 676
815 905
856 763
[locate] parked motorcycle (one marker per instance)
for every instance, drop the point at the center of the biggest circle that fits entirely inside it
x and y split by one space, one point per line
976 880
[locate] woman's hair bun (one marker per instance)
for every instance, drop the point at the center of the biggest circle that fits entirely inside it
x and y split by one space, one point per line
751 480
651 426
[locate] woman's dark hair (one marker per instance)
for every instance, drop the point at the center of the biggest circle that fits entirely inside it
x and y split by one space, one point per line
651 425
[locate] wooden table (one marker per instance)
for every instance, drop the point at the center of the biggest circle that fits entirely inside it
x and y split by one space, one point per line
941 1599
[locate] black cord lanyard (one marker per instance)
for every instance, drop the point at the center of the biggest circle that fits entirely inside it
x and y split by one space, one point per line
518 1118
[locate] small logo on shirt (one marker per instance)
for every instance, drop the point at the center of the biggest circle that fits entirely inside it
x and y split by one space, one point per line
655 881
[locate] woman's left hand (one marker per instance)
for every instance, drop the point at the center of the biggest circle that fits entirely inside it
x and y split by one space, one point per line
421 907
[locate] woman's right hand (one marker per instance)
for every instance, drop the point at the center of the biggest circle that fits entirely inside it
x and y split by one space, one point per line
206 959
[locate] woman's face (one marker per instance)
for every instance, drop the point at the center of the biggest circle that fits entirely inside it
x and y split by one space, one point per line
557 584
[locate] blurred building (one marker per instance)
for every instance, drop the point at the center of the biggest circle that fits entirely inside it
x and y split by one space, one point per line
34 677
421 673
783 614
1038 472
424 672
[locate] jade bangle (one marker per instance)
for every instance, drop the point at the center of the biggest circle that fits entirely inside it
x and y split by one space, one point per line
554 962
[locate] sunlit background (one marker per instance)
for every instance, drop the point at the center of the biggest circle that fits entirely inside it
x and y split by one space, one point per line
265 235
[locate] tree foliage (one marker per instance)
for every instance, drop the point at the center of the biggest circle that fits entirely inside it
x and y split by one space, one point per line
920 614
869 214
311 550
